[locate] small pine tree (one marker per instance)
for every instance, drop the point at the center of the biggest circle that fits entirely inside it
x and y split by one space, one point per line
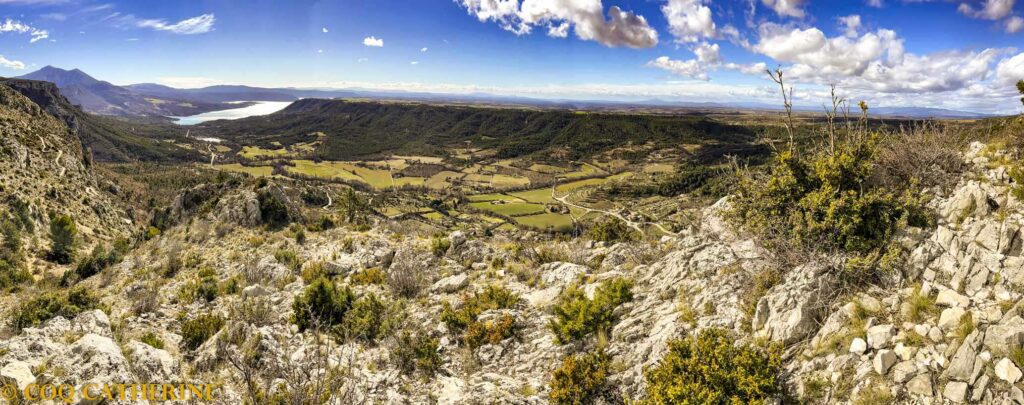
1020 88
62 233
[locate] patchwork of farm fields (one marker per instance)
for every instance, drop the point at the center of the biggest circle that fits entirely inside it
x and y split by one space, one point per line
518 205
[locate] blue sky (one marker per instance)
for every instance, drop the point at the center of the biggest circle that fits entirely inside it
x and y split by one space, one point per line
950 54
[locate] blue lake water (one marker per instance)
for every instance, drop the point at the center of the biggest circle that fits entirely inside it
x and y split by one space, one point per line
260 108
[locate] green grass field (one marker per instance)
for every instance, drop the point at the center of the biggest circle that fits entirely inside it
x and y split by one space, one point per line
497 180
547 221
509 209
255 152
547 169
443 179
257 171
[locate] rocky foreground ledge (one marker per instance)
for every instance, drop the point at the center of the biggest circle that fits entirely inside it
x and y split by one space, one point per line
949 330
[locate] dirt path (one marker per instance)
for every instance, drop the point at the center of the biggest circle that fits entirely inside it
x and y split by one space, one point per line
631 224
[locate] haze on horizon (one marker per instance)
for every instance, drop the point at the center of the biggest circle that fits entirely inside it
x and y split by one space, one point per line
960 55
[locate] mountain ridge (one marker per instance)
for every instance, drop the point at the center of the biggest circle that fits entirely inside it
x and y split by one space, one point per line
101 97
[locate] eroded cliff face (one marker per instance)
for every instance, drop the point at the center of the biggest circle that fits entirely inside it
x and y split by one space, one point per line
945 327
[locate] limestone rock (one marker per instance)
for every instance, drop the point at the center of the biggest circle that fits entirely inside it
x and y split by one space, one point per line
950 298
880 335
559 273
955 391
254 290
961 366
1002 337
451 284
17 373
858 346
950 318
791 311
921 385
884 359
1007 371
150 363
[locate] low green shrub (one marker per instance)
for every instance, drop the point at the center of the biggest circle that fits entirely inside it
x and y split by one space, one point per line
314 270
196 331
321 305
580 379
100 259
50 304
273 210
373 275
288 258
479 333
440 245
205 287
709 368
611 230
826 201
153 340
370 319
415 351
577 317
12 261
492 297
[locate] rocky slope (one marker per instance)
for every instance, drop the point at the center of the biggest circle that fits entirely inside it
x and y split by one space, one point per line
43 170
946 328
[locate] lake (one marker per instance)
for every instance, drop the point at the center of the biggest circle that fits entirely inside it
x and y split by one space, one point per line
260 108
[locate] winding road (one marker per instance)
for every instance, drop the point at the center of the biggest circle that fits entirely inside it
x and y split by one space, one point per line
631 224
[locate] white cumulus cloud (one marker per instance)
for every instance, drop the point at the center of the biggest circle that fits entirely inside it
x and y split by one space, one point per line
786 8
1014 24
689 20
850 24
19 27
423 49
585 17
990 9
373 41
11 64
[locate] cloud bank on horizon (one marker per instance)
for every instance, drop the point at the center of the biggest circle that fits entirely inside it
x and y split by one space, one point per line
956 54
860 59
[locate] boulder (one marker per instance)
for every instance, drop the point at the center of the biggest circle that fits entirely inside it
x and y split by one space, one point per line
254 291
961 366
921 385
955 391
93 359
950 298
950 318
94 321
792 310
242 208
880 335
150 363
559 273
1007 371
1002 337
884 359
903 371
858 346
457 238
451 284
17 373
979 388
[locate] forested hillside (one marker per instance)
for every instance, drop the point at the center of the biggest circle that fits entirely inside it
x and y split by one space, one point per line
361 129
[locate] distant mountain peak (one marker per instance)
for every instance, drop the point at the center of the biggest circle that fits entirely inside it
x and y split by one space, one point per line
61 77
